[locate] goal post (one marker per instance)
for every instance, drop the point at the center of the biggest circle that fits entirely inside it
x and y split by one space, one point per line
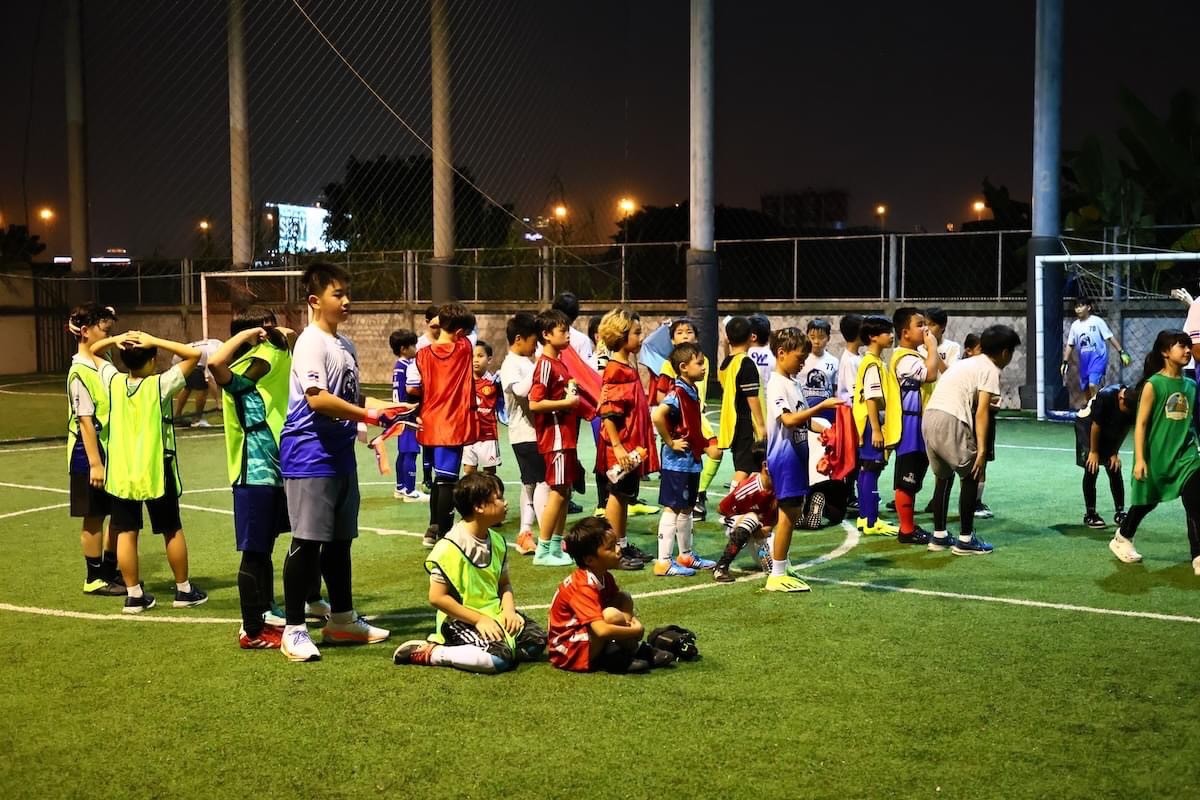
223 293
1040 300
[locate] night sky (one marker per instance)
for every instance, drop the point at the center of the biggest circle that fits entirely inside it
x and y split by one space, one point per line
909 104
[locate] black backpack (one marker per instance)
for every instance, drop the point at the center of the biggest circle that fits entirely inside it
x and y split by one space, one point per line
675 639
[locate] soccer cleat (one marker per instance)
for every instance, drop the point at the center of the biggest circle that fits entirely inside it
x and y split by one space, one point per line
415 496
721 574
318 608
881 528
598 513
764 559
574 508
700 510
940 543
890 505
975 547
552 559
982 511
357 631
399 494
274 617
430 538
526 543
136 605
103 588
694 561
1118 518
630 560
1122 548
425 487
638 508
268 639
1196 565
202 423
415 651
918 536
638 553
672 569
190 599
785 583
1094 520
298 646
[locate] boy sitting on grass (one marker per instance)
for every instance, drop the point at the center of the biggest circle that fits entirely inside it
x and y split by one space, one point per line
478 626
592 624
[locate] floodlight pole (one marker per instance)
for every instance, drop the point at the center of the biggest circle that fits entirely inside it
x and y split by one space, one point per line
1044 319
239 140
442 280
702 282
77 205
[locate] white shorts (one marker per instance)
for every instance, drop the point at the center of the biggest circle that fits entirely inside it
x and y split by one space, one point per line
482 454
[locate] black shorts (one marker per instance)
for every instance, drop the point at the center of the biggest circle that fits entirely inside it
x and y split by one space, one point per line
1083 443
530 643
260 514
196 381
627 488
530 462
163 511
743 454
87 500
909 472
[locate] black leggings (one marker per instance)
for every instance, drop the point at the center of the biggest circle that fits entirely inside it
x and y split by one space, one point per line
1190 495
1116 484
968 496
306 562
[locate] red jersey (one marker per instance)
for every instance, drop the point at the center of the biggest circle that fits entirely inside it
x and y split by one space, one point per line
487 392
447 394
579 601
623 400
556 430
687 424
750 495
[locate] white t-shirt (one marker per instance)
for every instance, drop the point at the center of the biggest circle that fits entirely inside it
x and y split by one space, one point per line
207 348
847 374
516 378
912 366
82 402
949 351
782 397
764 359
477 551
1192 327
957 390
818 378
423 340
1089 335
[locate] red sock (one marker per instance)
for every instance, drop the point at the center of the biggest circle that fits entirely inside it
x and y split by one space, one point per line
905 503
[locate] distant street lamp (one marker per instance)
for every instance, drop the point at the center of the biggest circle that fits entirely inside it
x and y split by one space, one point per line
627 206
560 214
204 226
979 206
881 212
46 214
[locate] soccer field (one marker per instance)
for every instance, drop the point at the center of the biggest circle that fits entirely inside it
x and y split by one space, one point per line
1047 669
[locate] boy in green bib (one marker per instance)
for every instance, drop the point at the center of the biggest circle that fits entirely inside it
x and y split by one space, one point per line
478 626
142 466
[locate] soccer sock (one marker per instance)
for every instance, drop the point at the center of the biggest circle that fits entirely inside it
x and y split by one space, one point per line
1116 485
683 530
554 546
466 657
708 472
868 496
666 533
1089 491
779 567
435 493
301 568
406 471
528 519
250 595
445 503
967 497
108 569
134 591
427 464
542 548
906 508
540 494
979 492
335 566
184 587
95 567
941 504
738 536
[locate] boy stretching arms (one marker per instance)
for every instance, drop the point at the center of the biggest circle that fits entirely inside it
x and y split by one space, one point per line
625 427
478 626
679 421
87 430
553 400
877 418
741 410
956 426
442 376
404 346
914 374
142 466
484 452
516 379
316 458
749 509
592 624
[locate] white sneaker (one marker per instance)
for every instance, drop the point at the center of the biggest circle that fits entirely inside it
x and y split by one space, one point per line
415 496
1196 565
201 423
1122 548
298 646
317 608
358 631
273 618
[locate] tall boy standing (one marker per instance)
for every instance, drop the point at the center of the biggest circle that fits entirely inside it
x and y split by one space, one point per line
876 407
915 374
404 346
516 379
741 408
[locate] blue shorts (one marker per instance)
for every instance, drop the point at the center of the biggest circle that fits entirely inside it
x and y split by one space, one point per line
447 462
678 490
260 514
1091 370
868 453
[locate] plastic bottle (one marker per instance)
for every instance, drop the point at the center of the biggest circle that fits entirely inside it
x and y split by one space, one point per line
615 473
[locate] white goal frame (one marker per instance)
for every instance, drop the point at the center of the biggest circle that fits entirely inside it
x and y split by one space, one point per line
1040 299
239 273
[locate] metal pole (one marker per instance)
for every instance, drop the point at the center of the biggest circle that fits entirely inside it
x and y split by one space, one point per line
623 284
702 274
904 267
999 265
443 158
1045 317
882 265
239 140
892 276
77 205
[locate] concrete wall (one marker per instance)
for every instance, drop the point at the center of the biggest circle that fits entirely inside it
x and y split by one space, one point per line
18 351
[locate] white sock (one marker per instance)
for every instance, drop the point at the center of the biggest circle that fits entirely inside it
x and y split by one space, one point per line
287 629
779 567
666 533
343 617
941 534
979 493
528 518
683 530
769 542
540 493
466 657
184 587
134 591
965 537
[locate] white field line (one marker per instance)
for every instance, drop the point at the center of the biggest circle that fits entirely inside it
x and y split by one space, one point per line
34 510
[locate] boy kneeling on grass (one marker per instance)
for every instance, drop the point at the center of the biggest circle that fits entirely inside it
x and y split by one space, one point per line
478 626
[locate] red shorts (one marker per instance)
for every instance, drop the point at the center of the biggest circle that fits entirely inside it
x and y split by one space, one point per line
562 467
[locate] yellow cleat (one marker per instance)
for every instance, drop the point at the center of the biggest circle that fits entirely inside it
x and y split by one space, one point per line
785 583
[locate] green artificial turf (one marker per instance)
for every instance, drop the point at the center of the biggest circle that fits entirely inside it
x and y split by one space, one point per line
851 691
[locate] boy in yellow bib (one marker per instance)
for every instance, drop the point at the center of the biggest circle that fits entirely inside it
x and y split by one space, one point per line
742 422
478 626
877 418
142 466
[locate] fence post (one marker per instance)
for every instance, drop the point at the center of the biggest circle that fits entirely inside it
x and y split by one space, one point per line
882 265
138 265
476 251
893 275
795 269
999 264
185 277
623 292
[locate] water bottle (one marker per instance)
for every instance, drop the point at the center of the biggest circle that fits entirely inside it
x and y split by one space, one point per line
615 473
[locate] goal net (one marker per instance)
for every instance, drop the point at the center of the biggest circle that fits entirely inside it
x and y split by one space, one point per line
225 294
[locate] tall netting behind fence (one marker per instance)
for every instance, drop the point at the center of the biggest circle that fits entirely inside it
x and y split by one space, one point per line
224 295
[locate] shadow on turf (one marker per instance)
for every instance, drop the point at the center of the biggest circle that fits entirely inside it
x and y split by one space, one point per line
1134 579
1083 532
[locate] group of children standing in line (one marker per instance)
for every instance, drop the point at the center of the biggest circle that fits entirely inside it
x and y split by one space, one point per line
294 411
